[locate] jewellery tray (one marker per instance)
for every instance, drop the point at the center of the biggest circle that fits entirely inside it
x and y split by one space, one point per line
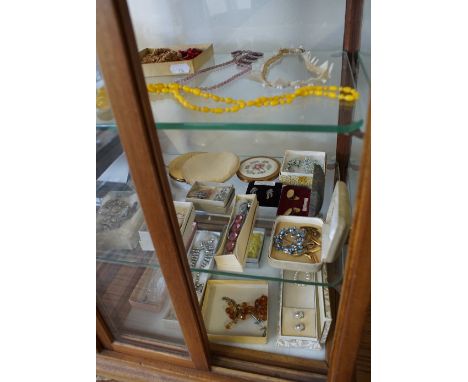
215 317
334 232
208 205
298 178
314 301
236 260
186 229
126 236
172 68
136 299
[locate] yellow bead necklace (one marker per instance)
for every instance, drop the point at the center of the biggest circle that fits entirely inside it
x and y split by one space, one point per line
337 92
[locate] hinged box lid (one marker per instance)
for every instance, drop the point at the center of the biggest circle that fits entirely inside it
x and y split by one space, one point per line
337 223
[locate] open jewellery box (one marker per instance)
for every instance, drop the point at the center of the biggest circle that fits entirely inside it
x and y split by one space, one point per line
334 232
215 317
236 260
209 204
297 178
186 225
172 68
313 302
170 319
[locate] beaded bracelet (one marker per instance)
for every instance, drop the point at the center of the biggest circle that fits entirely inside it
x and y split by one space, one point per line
302 241
295 248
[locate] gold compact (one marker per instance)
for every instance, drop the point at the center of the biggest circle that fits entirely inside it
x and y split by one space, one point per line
175 166
210 167
258 168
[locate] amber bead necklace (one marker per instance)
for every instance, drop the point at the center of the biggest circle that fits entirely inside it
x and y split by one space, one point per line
340 93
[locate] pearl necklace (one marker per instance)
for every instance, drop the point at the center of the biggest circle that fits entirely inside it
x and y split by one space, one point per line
322 72
336 92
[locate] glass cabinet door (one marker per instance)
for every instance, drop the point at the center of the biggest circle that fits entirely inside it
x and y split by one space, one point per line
251 157
131 291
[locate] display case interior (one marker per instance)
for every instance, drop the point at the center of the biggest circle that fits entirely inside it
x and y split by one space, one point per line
245 301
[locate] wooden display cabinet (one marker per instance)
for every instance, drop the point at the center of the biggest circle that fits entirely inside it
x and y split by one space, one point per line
137 358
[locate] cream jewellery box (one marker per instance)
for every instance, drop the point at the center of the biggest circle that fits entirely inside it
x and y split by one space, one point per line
211 197
297 168
117 221
199 257
185 215
305 313
236 260
334 232
246 331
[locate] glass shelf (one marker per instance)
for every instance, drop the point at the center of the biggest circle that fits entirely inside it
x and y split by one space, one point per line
311 114
265 219
148 259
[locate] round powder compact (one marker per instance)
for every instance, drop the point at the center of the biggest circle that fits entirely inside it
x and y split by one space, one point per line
210 167
175 166
258 168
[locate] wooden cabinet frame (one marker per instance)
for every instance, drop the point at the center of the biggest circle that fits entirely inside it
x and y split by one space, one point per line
126 88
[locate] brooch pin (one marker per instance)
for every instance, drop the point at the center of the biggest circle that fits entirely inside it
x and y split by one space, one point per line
237 312
295 241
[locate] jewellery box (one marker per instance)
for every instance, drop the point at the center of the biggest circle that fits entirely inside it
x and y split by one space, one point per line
305 313
297 168
200 255
334 231
117 221
211 197
185 215
254 248
201 259
177 67
268 193
235 261
295 200
215 316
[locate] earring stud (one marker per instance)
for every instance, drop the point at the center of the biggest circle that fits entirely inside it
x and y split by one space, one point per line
300 327
299 314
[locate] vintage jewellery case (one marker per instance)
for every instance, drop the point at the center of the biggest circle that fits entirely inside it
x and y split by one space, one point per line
172 68
117 227
296 175
210 204
215 317
187 210
305 313
334 231
235 261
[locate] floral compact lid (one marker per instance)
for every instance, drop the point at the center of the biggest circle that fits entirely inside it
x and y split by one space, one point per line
258 168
